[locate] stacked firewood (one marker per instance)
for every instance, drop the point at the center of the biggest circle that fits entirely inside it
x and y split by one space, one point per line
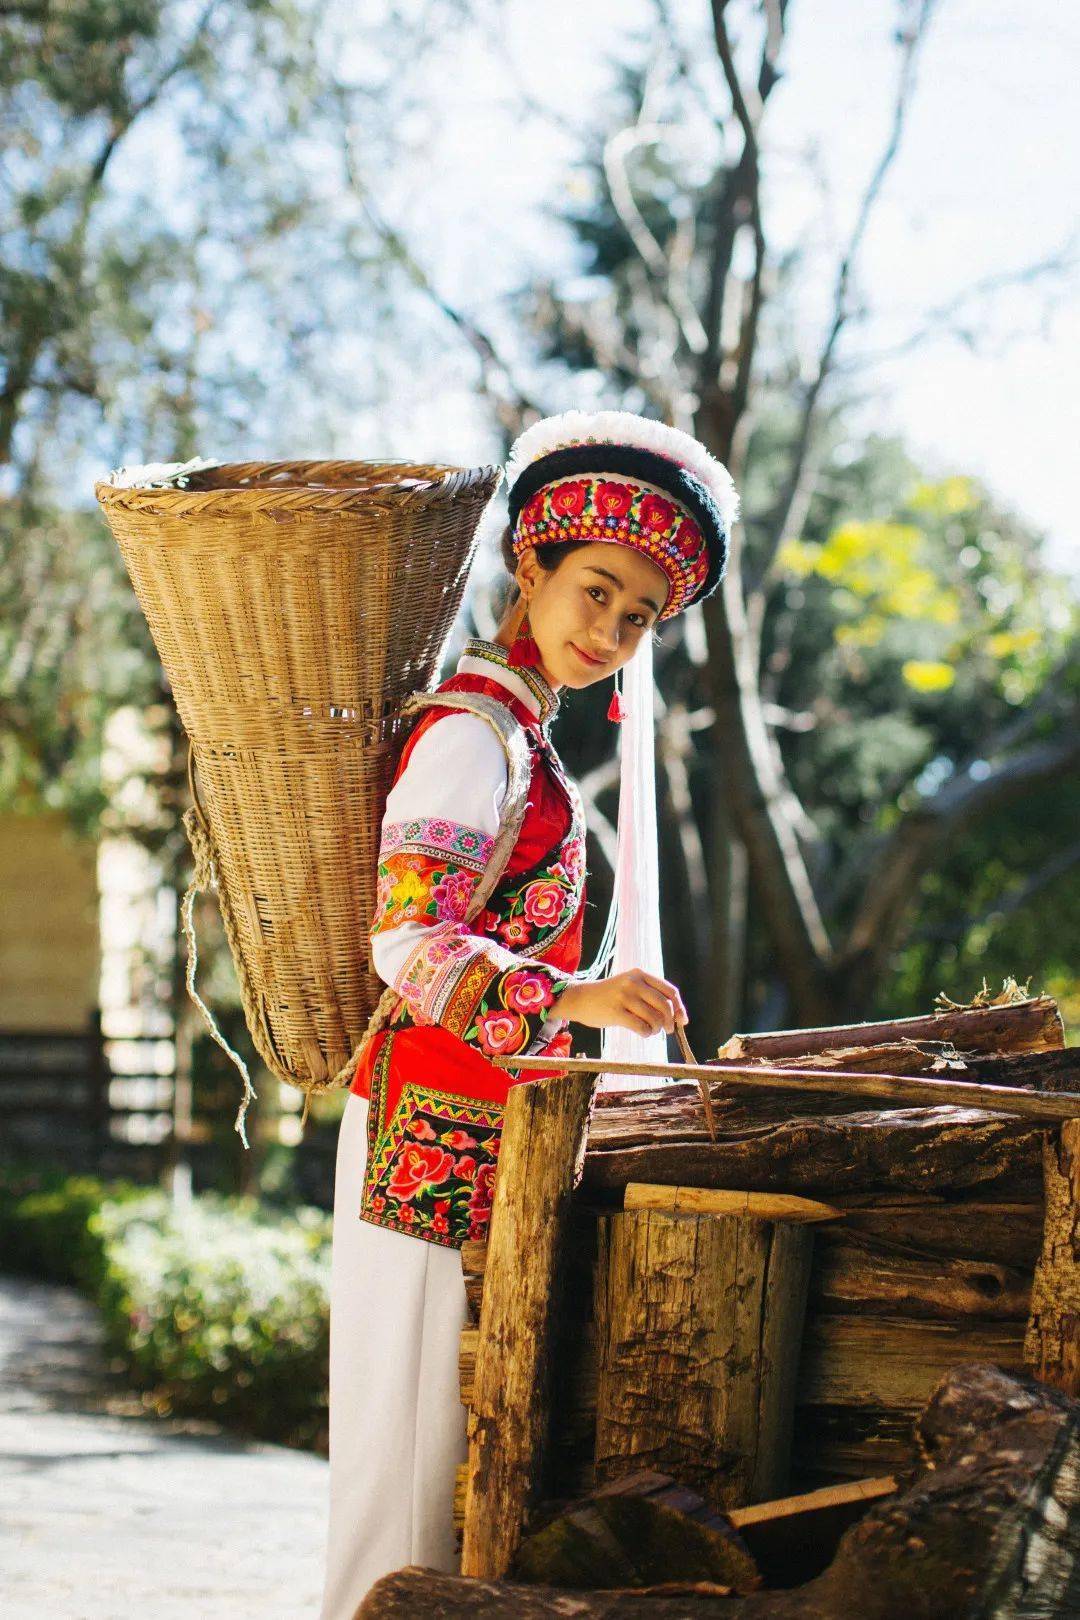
701 1348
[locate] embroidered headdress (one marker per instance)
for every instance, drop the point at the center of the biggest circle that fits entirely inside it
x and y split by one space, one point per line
618 478
613 476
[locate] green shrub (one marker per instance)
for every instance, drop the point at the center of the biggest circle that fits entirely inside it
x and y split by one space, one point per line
217 1309
45 1217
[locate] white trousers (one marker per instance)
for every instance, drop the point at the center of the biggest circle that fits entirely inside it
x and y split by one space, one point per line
397 1425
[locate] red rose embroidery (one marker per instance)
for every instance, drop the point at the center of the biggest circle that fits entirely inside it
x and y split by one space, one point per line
419 1167
533 510
480 1202
420 1129
526 992
688 538
515 931
465 1168
568 500
560 1045
656 513
544 903
501 1034
613 500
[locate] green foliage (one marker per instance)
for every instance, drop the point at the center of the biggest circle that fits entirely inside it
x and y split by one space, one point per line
219 1309
45 1217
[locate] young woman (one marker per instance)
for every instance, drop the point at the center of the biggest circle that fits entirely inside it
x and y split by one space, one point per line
616 523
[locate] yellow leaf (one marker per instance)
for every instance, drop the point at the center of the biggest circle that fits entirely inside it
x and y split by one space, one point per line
945 498
927 674
799 556
1010 641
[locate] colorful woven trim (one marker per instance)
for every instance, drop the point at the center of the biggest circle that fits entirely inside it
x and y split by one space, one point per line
626 512
530 678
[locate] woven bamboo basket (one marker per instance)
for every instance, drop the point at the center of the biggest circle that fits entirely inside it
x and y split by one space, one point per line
294 606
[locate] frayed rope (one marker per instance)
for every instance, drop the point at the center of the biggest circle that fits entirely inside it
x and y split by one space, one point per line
205 879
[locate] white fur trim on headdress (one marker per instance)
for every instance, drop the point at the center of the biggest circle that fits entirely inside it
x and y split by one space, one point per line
624 427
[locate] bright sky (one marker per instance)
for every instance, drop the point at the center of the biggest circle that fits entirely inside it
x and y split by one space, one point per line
987 182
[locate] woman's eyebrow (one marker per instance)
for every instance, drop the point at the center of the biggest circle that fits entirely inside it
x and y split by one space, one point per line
615 580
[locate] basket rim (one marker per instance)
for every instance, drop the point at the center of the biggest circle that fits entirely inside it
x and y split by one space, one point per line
296 484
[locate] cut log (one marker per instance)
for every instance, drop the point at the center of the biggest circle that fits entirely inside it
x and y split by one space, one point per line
698 1327
540 1157
992 1529
1052 1341
640 1531
1006 1232
862 1275
473 1260
1033 1025
660 1136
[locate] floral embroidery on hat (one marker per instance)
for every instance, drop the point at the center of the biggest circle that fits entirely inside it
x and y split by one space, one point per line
626 512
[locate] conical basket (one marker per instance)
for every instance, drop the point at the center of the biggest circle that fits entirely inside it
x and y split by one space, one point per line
294 606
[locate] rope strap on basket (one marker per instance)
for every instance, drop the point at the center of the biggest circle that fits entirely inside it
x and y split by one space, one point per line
204 879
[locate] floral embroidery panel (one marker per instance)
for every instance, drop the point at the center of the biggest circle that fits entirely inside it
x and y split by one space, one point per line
431 1168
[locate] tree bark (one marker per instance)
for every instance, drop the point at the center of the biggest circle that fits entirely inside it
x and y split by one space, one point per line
1052 1342
699 1322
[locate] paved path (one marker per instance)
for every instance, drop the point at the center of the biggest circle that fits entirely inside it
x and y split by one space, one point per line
106 1513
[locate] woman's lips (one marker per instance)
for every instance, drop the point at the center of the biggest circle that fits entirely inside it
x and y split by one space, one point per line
594 663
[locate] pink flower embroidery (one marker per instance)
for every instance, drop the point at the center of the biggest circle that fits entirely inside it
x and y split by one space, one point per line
526 992
501 1033
572 859
421 1130
465 1167
419 1167
451 895
459 1140
544 903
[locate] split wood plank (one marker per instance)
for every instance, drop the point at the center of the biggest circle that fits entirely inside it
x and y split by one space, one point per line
767 1206
540 1155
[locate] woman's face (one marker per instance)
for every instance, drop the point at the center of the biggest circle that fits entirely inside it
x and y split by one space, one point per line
591 614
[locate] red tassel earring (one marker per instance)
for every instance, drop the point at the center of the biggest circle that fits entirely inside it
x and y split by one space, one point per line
617 708
523 649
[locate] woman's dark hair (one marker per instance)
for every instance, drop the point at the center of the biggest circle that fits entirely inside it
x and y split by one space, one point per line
549 555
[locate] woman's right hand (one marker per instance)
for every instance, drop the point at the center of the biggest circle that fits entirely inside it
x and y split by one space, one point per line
633 1000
